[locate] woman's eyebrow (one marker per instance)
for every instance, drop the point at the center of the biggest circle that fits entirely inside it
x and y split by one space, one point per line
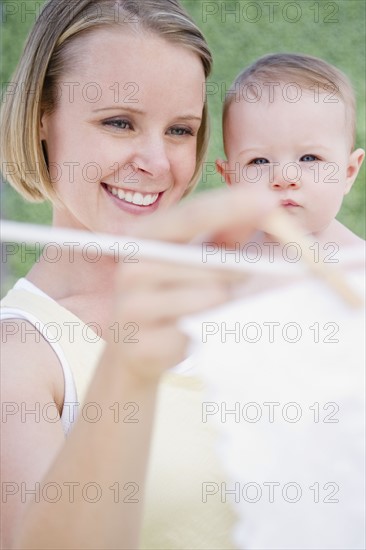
190 117
137 111
120 107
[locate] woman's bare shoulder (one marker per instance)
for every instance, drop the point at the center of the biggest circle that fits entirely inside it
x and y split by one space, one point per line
32 435
29 361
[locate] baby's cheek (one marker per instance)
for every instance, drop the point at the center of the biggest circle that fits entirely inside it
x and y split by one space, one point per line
252 174
260 177
327 173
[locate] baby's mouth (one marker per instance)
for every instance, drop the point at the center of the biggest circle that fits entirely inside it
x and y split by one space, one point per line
289 203
132 197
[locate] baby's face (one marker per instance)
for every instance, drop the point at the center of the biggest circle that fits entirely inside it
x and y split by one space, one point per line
297 152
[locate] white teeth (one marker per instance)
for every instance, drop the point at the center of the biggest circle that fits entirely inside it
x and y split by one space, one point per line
137 199
134 198
148 200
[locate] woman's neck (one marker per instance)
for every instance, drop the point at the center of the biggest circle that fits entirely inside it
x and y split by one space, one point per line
74 273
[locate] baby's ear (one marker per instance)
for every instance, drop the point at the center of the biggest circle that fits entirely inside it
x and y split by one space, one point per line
354 165
221 167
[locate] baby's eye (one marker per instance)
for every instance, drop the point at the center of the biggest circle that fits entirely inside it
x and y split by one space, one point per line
118 123
309 158
259 161
180 131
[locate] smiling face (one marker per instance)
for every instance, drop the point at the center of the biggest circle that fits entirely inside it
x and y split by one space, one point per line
122 141
296 154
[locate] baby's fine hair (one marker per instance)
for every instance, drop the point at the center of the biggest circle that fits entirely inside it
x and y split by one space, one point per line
51 50
325 81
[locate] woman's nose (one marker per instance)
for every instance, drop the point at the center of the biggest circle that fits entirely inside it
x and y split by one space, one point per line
286 176
152 157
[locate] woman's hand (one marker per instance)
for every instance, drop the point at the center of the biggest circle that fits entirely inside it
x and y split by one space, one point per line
155 295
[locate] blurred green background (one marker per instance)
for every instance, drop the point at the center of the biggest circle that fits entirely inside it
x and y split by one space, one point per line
238 32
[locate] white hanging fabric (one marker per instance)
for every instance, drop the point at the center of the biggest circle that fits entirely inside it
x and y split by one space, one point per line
285 386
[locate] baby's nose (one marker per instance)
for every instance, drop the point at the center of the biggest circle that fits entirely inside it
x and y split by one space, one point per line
286 176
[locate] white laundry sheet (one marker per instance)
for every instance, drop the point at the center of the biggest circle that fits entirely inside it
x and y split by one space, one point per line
285 385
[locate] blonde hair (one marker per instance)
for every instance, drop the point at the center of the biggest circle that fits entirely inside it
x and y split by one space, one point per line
303 70
45 59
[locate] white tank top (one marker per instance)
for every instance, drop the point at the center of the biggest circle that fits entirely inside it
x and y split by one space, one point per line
182 454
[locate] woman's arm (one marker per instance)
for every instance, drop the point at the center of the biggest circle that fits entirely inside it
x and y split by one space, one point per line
98 458
109 456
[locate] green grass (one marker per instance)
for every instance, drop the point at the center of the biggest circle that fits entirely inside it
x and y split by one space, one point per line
336 33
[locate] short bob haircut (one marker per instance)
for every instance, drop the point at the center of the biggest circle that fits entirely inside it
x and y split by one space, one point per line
45 59
307 72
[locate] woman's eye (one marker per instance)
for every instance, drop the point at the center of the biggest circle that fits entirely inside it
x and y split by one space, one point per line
181 131
119 123
259 161
309 158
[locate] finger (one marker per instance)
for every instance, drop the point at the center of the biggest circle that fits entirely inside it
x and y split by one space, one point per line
153 351
145 308
212 212
152 274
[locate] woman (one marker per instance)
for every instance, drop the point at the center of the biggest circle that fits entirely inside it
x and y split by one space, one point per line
115 130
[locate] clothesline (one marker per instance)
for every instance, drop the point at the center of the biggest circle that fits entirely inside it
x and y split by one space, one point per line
194 255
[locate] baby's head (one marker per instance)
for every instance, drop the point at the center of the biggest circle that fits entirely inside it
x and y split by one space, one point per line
289 128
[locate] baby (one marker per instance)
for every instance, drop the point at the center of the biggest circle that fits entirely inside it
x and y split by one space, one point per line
289 129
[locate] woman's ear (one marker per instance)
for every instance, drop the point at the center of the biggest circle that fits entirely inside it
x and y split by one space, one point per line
221 167
45 152
43 127
353 168
43 135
